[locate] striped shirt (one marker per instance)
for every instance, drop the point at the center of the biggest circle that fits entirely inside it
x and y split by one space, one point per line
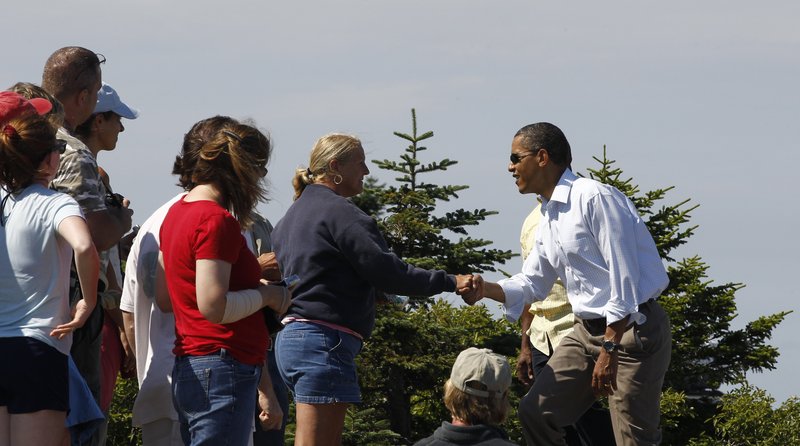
552 317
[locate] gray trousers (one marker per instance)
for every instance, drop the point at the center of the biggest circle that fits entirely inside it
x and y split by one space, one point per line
562 392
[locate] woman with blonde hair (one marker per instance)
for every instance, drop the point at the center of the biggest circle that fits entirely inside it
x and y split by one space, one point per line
211 280
341 259
40 232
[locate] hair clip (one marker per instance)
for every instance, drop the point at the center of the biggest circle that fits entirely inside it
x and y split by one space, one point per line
309 173
9 130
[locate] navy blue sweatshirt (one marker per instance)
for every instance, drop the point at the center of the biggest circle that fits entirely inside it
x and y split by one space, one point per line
342 259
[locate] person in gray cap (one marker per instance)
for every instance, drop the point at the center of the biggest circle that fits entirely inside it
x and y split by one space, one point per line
477 397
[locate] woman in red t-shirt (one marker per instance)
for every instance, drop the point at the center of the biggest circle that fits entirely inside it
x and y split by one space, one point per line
212 282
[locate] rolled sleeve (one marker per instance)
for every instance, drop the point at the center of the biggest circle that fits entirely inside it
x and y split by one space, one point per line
533 283
518 295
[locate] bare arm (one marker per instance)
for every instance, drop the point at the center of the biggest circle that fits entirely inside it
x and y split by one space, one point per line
127 325
269 267
76 232
493 291
604 376
525 360
108 226
211 281
271 415
129 358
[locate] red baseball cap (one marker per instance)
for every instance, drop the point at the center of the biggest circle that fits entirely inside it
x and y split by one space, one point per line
13 105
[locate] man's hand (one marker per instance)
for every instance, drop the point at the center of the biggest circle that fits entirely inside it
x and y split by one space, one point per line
604 376
525 360
123 214
525 367
128 366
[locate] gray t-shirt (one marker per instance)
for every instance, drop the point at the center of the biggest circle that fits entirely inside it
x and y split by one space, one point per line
34 266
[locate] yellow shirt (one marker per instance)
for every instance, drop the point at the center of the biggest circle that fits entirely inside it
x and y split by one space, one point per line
552 317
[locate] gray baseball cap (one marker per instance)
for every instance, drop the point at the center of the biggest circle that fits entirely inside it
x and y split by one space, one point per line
483 366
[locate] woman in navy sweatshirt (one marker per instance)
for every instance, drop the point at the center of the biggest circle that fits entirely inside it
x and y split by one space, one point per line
342 259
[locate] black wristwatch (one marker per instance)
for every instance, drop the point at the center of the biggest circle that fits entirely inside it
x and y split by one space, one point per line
610 346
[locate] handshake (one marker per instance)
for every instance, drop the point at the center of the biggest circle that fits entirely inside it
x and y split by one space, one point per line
470 287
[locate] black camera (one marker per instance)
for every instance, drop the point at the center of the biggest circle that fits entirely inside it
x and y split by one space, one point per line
114 200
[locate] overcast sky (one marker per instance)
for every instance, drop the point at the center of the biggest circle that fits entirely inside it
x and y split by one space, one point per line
700 95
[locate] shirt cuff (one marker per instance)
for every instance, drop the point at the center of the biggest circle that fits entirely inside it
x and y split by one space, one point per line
514 303
615 312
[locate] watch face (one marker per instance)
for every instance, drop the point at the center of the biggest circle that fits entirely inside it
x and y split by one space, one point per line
609 346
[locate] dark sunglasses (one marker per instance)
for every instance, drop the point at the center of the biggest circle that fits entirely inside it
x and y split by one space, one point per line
516 157
91 65
60 146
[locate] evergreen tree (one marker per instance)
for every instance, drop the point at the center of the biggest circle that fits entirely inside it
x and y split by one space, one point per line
746 417
407 219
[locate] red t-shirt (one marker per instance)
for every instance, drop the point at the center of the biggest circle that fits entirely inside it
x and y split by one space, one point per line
204 230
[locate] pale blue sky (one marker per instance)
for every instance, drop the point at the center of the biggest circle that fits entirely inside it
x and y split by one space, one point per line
700 95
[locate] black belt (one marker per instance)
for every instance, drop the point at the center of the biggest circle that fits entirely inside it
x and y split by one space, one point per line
597 326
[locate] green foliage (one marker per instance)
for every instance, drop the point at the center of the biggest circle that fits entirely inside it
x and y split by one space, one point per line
120 427
363 428
747 417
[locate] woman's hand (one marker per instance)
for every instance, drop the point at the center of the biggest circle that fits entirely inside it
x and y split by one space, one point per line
271 415
80 314
470 287
276 297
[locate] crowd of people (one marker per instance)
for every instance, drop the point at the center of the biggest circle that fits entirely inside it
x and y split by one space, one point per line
220 317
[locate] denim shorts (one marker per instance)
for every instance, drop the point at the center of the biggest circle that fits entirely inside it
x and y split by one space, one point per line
318 364
215 397
33 376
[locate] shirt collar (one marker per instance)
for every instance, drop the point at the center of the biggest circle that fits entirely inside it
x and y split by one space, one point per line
561 191
73 143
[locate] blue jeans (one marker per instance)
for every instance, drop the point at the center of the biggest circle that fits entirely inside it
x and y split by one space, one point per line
318 363
214 396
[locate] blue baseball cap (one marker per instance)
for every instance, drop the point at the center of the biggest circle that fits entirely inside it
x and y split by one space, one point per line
108 100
